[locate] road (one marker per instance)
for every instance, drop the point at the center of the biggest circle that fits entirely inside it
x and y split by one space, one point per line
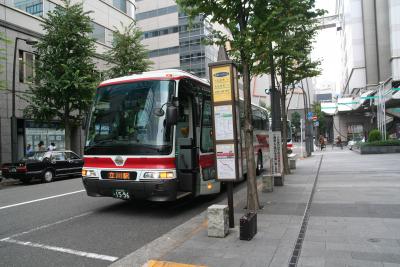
58 224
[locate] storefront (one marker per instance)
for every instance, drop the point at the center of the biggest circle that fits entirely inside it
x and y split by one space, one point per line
35 132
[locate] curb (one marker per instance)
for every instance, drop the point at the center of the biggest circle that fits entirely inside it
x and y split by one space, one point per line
161 246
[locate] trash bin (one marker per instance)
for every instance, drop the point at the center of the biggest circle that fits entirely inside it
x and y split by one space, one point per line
248 226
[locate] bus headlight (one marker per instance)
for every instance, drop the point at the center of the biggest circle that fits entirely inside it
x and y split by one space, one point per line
89 173
159 175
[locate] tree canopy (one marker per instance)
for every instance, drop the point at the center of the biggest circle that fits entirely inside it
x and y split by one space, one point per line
65 74
127 54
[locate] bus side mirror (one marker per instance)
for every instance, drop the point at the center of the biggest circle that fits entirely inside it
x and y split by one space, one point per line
172 115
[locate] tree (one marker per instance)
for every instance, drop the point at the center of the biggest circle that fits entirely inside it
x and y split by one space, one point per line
127 54
65 73
237 17
291 27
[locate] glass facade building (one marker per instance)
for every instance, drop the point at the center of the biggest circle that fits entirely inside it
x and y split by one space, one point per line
184 46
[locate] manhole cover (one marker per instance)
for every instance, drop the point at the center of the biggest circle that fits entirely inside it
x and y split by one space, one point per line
373 240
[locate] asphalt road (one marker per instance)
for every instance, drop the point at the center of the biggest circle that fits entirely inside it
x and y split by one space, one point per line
58 224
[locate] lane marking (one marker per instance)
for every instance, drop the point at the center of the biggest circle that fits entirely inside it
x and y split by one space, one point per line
47 225
41 199
63 250
154 263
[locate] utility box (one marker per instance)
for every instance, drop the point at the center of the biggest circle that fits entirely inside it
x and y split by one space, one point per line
248 226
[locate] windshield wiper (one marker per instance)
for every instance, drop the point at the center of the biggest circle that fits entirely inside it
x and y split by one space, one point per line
99 143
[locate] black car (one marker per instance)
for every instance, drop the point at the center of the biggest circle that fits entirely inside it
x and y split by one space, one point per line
45 165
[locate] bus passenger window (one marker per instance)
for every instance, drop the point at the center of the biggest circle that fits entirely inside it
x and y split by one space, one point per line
207 144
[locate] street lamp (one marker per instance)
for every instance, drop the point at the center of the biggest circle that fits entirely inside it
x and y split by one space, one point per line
14 141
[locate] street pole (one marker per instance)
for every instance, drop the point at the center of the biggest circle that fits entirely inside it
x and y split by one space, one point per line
312 131
275 99
301 136
14 142
14 126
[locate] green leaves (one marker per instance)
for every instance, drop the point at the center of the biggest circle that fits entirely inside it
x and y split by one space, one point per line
65 72
127 54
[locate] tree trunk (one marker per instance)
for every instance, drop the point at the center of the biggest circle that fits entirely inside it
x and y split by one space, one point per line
252 194
284 135
284 121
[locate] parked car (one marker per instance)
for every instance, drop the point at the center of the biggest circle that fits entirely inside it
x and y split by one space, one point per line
46 165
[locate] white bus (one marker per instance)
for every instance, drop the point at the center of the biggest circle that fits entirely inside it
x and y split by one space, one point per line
137 129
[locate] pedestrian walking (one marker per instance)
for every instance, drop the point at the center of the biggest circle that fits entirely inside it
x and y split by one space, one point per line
41 146
339 142
29 150
322 142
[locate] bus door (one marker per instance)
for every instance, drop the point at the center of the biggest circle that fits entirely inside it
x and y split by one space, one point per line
187 162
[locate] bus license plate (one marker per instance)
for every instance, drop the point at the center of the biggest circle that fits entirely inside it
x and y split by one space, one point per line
121 193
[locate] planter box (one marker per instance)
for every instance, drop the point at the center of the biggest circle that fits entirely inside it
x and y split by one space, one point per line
379 149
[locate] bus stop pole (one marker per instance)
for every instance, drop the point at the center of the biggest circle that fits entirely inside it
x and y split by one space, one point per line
230 204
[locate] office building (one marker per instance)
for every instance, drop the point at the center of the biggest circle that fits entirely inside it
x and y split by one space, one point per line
369 31
20 22
171 41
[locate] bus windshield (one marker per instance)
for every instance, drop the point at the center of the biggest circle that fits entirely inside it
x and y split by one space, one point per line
123 119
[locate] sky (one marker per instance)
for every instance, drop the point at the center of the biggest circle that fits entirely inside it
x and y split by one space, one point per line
326 48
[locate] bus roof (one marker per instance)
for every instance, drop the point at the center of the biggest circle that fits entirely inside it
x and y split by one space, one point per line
167 74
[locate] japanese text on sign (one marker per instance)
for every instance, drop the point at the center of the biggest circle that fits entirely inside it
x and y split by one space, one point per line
276 148
221 83
223 122
226 161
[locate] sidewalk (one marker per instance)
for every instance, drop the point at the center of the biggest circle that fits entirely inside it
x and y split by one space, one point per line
354 220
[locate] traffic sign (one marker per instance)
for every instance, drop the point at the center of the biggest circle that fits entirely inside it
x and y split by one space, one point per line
314 118
310 115
316 123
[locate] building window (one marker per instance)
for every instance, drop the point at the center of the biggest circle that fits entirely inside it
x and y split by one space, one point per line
33 7
99 33
26 66
125 6
164 51
157 12
120 4
207 144
160 32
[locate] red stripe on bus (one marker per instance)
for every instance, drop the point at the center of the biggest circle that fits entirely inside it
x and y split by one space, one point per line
207 161
131 163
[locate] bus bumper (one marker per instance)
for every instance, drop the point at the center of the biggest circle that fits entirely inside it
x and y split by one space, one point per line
160 190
